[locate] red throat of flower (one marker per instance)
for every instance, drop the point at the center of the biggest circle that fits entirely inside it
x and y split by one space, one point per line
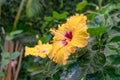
44 51
64 42
68 35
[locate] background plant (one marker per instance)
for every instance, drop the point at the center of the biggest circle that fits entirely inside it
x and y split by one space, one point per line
11 56
97 61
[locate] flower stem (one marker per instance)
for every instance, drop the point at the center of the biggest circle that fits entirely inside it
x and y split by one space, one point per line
18 14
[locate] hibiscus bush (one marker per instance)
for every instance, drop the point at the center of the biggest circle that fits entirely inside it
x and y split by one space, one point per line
60 40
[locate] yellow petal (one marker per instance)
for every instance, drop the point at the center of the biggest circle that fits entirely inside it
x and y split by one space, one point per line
80 37
41 50
45 50
76 20
30 51
59 53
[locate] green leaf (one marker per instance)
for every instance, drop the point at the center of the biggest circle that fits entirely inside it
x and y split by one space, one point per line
111 73
5 62
114 48
56 76
34 68
63 15
91 16
92 4
81 6
114 59
116 28
33 8
96 31
15 55
2 2
5 54
45 38
58 16
118 4
117 69
61 3
2 73
15 32
115 39
98 60
82 78
84 59
48 19
9 37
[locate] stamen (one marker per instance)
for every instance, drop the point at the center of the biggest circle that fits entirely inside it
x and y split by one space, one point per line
57 33
68 35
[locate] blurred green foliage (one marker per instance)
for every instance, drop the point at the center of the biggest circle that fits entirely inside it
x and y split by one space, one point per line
99 60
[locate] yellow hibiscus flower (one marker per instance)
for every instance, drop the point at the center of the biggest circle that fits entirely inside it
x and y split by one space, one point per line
41 50
70 35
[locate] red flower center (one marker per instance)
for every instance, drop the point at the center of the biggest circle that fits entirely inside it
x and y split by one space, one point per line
68 35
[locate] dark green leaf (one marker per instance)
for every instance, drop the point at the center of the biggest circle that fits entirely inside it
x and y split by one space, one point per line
116 28
112 47
98 60
84 59
56 77
95 76
111 73
97 31
115 39
15 55
114 59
